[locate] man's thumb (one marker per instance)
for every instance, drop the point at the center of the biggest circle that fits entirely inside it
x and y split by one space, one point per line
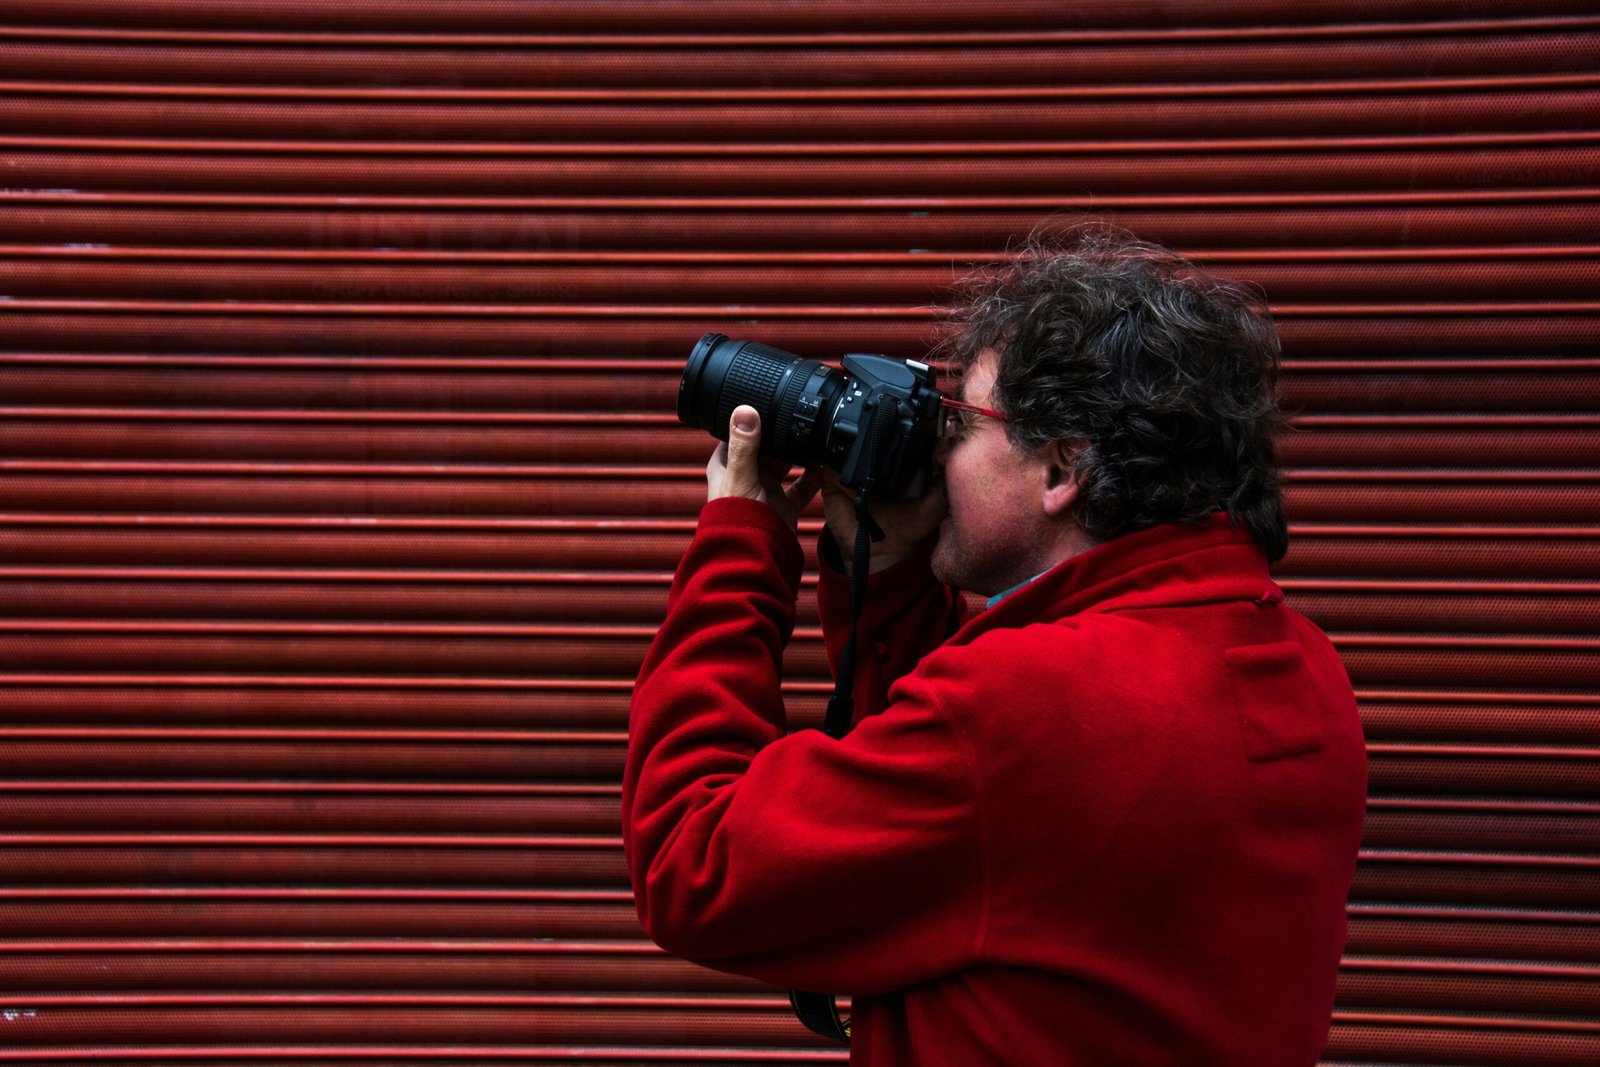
744 447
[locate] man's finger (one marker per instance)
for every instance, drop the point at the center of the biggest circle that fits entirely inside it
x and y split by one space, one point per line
804 488
744 452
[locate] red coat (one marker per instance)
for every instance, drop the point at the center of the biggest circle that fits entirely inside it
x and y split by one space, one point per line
1111 821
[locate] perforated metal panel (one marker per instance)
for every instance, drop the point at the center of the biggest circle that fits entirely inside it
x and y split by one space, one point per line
340 484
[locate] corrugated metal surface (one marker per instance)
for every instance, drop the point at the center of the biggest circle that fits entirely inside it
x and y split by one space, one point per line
340 486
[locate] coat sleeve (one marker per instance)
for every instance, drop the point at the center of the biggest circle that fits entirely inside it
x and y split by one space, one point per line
848 866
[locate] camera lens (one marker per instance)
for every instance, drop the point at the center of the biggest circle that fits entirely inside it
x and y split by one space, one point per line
795 396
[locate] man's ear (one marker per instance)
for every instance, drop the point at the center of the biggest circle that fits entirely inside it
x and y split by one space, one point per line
1060 473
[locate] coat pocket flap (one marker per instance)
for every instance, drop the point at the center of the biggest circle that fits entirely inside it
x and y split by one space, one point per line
1276 700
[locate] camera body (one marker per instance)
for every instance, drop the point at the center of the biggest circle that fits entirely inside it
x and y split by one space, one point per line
874 423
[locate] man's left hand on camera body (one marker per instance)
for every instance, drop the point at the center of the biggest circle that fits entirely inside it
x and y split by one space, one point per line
908 525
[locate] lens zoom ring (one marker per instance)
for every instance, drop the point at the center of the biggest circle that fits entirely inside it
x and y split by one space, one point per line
750 381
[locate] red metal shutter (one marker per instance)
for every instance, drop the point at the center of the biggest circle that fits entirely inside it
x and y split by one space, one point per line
340 487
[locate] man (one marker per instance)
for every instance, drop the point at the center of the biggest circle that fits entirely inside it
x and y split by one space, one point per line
1113 818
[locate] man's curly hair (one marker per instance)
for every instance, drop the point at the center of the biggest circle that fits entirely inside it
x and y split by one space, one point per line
1163 377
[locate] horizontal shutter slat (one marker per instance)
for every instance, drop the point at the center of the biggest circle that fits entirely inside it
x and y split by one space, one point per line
830 15
769 1024
1549 774
264 383
85 964
300 759
266 865
1535 668
1574 940
1427 556
307 540
1529 278
327 918
1511 884
1560 609
504 229
1394 1044
1303 166
300 804
1557 827
1552 662
610 332
28 433
1434 716
432 914
1459 714
134 491
1557 833
512 125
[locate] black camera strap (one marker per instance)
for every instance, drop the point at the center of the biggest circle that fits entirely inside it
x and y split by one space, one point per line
818 1011
842 705
820 1015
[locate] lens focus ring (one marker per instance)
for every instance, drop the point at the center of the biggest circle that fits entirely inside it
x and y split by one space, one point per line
749 381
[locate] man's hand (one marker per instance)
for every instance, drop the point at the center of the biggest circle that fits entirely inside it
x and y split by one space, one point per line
737 468
906 524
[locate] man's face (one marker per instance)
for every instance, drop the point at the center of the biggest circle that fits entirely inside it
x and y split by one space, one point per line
997 532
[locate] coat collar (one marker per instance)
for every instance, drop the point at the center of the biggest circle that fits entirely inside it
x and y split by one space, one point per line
1164 566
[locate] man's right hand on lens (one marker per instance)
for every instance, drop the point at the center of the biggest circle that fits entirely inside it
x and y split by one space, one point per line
735 470
906 524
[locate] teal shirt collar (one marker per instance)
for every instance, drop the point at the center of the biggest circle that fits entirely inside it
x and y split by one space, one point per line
1007 592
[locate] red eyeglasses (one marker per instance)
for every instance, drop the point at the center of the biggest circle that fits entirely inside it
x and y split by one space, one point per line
951 424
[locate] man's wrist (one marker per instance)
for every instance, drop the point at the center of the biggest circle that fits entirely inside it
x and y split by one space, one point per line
885 561
729 512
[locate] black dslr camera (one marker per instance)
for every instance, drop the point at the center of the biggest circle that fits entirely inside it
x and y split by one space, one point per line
875 424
